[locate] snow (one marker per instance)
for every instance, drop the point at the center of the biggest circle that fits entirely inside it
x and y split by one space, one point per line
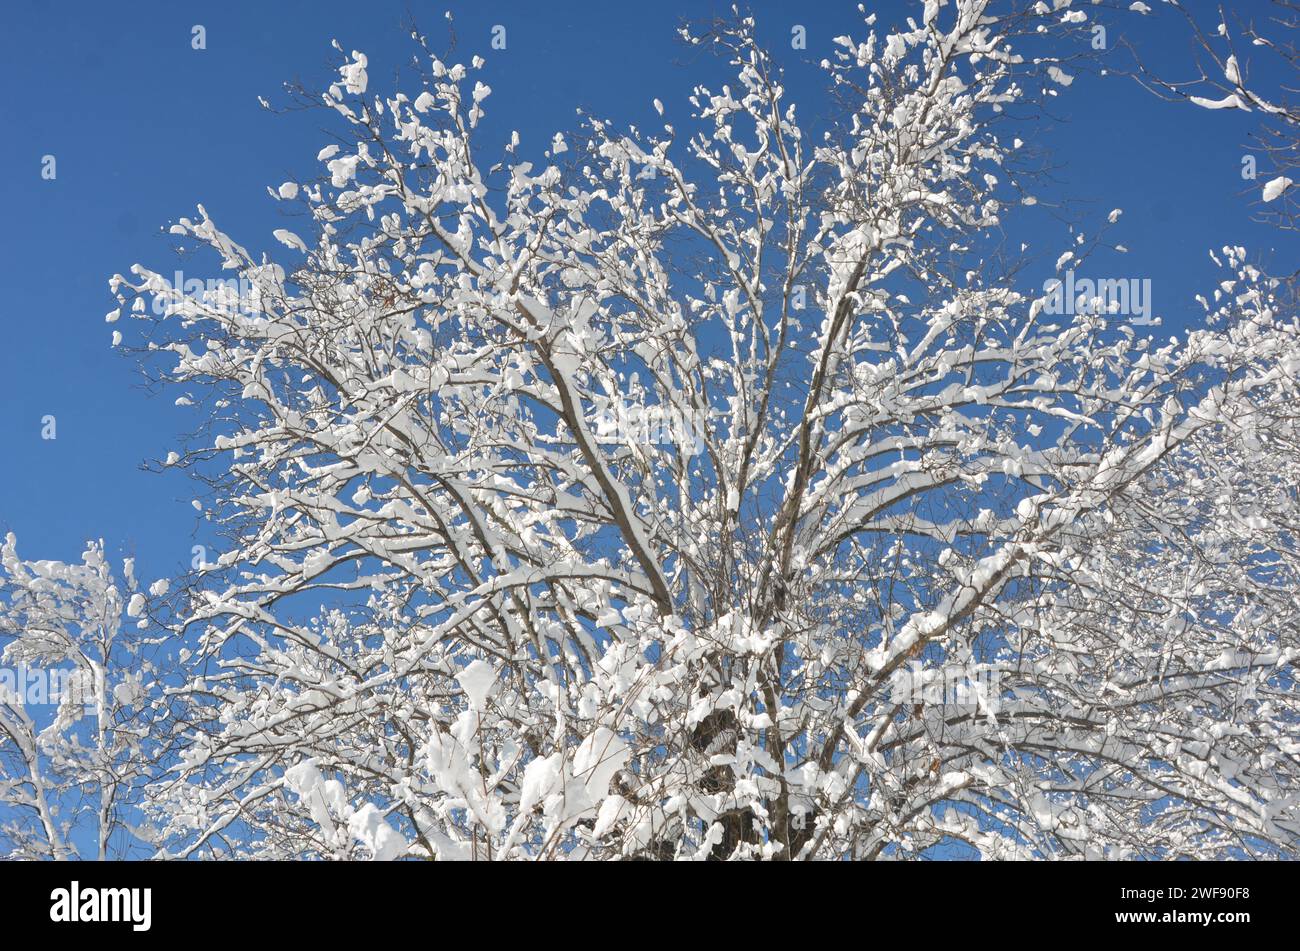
354 74
601 755
477 680
540 777
1276 187
1230 101
370 828
1059 76
289 239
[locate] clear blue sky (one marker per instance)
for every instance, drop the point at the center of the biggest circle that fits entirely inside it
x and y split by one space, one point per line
143 127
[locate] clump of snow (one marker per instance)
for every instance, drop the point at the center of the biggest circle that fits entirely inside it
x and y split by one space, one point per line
1276 187
477 680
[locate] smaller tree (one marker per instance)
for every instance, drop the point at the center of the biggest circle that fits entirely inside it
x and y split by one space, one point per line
67 772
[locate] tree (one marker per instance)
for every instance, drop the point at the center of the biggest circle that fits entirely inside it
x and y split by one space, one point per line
719 495
69 779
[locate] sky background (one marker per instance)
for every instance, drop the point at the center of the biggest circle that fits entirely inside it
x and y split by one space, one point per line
143 127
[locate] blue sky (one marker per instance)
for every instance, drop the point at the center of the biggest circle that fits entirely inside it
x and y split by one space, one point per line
143 127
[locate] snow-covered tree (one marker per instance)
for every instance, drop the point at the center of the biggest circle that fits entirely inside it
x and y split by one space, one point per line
74 686
716 493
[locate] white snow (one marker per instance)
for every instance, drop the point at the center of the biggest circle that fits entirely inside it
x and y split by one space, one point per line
477 680
1275 188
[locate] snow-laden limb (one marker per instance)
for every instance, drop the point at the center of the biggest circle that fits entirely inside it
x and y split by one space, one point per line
473 607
